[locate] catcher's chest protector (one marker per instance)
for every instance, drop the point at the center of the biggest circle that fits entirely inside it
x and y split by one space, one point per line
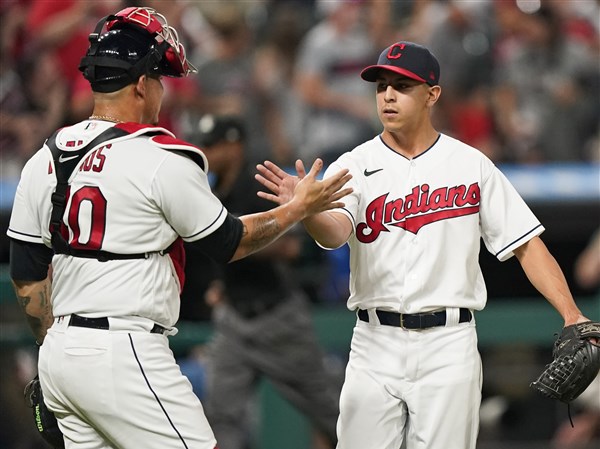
64 164
66 161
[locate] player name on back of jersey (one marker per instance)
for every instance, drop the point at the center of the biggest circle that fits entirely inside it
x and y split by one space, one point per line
95 160
410 212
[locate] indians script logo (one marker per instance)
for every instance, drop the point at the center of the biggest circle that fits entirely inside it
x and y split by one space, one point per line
419 208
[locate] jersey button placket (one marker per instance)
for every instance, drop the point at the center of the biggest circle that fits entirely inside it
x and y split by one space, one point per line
414 240
412 174
412 255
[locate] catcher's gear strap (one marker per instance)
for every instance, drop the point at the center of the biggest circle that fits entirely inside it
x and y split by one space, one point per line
166 140
65 166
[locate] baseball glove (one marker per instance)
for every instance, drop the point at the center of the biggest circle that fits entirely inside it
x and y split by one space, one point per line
576 363
45 421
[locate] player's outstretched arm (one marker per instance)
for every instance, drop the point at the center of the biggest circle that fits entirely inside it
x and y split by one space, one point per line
545 275
308 197
328 228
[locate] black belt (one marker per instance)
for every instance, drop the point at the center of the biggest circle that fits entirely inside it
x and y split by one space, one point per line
102 323
416 320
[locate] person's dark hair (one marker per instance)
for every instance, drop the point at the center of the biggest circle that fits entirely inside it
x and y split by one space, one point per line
213 129
552 21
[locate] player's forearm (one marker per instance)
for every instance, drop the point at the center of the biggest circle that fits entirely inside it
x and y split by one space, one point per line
546 276
35 299
262 229
329 229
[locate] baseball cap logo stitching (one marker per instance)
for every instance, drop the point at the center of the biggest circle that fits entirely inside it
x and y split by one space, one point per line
408 59
395 55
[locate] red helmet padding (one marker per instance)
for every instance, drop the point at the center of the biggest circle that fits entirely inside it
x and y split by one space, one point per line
156 24
138 16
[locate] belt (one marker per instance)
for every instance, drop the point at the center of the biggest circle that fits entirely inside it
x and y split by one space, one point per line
416 320
102 323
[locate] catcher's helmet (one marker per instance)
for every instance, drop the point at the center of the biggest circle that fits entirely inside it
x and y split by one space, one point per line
136 41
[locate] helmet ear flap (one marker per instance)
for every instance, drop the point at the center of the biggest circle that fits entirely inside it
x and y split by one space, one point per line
89 72
148 65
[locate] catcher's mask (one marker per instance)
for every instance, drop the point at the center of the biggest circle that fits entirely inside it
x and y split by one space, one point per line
137 41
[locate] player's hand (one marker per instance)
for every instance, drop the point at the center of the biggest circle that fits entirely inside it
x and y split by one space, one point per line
315 195
278 181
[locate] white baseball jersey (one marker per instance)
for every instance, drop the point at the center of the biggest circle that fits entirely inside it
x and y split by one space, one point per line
418 224
126 196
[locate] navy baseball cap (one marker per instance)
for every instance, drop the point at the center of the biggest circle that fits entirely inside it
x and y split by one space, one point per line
406 58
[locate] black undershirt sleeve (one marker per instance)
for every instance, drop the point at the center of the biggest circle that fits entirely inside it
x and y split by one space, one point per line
29 261
221 244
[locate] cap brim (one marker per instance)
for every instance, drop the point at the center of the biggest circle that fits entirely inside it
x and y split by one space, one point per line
370 73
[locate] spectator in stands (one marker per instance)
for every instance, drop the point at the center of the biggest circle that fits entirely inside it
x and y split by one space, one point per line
62 28
32 104
226 79
339 108
274 73
462 41
579 21
546 92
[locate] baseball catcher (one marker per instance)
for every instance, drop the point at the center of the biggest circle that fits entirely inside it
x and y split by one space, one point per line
45 421
576 363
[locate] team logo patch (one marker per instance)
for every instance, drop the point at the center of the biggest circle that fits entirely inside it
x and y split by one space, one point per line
419 208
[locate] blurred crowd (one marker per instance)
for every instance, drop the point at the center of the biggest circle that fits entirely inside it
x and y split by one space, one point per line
520 77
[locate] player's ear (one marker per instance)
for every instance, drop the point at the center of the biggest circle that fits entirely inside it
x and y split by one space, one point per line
139 88
434 93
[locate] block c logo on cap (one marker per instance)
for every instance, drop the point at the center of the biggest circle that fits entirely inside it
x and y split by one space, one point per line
392 54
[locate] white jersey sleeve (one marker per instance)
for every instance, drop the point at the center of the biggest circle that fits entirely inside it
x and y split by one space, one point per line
183 193
506 220
352 200
30 209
